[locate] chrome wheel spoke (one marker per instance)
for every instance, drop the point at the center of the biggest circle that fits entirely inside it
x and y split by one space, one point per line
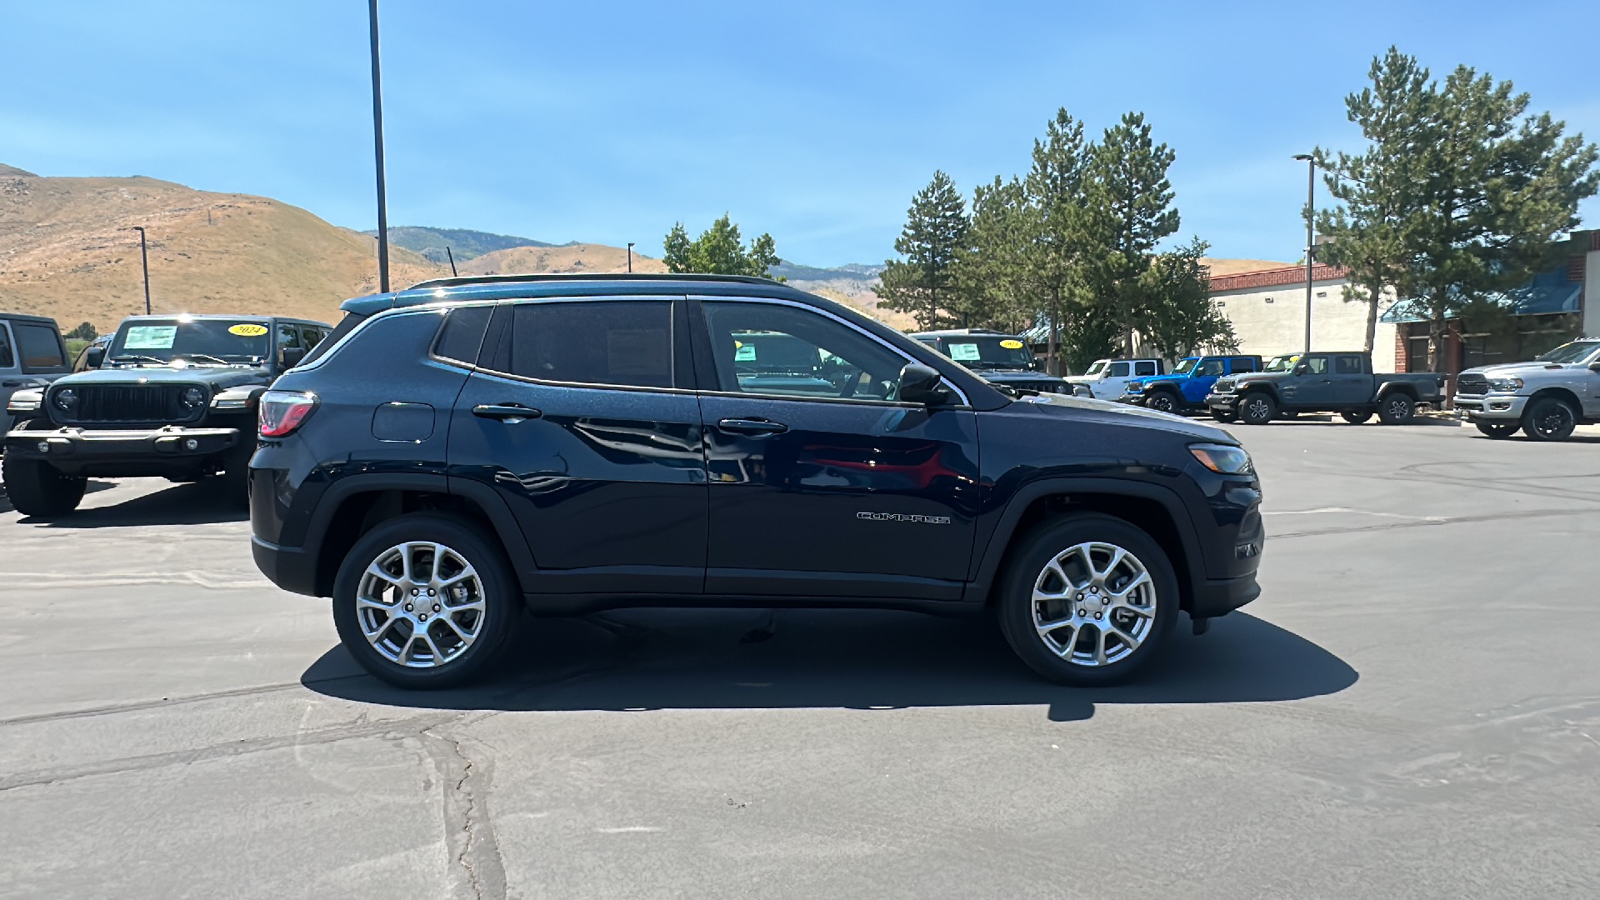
1099 644
420 587
1117 556
376 570
1121 593
1122 614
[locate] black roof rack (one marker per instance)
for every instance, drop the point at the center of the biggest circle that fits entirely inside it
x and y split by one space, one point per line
465 280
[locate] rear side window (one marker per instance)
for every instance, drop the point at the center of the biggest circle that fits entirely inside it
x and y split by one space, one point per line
621 343
7 358
40 348
1243 364
1144 368
462 334
1347 365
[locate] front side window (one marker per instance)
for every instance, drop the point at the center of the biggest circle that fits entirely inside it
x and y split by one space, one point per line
1317 365
1208 369
7 358
196 341
608 343
1183 367
768 348
1119 370
39 348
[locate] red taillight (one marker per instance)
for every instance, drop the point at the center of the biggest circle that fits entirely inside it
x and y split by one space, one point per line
284 411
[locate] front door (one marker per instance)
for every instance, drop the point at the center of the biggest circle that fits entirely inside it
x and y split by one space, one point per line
580 417
1311 386
821 483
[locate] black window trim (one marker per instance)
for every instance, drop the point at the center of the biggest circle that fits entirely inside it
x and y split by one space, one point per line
21 360
707 376
438 335
508 304
10 345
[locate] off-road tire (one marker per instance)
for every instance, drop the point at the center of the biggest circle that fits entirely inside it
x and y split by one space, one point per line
502 599
1356 416
1257 408
1396 409
1015 598
1226 418
1498 430
1549 419
1163 401
38 489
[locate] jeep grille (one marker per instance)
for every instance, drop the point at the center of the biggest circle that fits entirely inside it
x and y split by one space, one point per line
127 404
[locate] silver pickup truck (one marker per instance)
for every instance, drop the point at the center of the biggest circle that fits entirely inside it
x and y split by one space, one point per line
31 355
1545 399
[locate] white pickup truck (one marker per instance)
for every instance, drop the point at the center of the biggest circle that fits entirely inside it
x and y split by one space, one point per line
1106 378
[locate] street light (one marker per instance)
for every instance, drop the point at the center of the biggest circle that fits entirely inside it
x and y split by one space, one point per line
377 142
144 259
630 257
1311 211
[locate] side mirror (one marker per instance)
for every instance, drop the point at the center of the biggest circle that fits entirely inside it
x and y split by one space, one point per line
289 357
94 356
1302 368
921 384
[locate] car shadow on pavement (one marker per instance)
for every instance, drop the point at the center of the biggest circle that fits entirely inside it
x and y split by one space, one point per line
93 487
744 659
201 503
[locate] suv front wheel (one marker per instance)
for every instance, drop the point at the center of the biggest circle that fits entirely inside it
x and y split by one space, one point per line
425 601
1087 600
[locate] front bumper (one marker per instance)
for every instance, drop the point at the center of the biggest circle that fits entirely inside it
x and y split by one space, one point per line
1490 407
80 445
1219 597
1225 402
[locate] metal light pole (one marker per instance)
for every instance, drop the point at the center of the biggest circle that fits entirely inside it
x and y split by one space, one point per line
630 257
377 141
144 259
1311 211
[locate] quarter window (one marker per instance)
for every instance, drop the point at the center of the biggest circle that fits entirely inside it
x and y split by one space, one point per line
622 343
1144 369
463 333
39 348
768 348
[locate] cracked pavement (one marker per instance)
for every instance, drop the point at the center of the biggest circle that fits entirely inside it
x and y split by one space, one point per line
1412 709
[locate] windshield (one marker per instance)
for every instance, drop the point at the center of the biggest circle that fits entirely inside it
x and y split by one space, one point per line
988 352
197 341
1569 353
1282 363
1098 366
1185 366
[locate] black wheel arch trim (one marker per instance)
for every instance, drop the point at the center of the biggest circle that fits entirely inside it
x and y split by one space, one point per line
1005 531
506 529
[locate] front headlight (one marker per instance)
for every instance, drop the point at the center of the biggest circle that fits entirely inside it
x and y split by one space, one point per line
25 401
1505 384
1223 458
1135 387
193 397
66 399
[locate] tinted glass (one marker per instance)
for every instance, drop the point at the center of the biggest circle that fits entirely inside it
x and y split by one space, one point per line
1209 368
7 359
1318 365
767 348
462 333
1144 368
1119 370
288 337
310 336
626 343
163 340
1243 364
39 347
1347 365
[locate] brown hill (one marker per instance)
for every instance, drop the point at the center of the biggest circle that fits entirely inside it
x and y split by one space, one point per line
67 251
567 259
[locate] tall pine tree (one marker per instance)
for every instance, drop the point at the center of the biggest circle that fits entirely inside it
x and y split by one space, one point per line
1052 270
923 283
1130 202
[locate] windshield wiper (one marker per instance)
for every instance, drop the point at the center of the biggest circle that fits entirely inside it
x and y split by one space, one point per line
139 357
206 356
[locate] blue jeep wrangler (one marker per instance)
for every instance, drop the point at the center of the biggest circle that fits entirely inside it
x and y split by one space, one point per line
1184 388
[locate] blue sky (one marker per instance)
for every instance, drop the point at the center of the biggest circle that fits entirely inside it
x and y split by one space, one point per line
816 121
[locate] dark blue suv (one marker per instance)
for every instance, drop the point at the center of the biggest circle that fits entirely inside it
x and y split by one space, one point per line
469 450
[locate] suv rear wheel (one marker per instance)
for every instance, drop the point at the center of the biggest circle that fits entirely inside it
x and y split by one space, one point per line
39 489
1395 409
1087 600
425 601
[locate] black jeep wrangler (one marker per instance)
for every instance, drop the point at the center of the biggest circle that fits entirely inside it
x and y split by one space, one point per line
473 448
173 396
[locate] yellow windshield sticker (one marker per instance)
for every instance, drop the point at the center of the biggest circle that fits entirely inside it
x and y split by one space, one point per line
248 330
1011 345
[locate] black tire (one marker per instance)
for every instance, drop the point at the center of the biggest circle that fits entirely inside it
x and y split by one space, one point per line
496 587
1549 419
1257 408
1356 416
1224 416
1016 608
1289 414
1396 409
38 489
1498 430
1163 401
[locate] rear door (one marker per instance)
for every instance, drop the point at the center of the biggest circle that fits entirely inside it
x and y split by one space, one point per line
10 373
582 416
838 492
1350 382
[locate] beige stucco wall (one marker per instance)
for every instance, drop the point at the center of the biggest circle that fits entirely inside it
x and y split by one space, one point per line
1270 328
1591 294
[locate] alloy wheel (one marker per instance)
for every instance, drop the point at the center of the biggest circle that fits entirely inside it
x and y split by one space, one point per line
1555 421
1094 604
420 604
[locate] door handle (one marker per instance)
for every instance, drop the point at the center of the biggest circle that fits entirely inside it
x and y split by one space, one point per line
10 384
752 426
506 412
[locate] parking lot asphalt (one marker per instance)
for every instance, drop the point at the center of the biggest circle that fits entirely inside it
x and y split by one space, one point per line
1412 709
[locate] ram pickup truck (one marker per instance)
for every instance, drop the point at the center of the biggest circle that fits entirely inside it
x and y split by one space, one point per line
1324 382
1106 379
1186 387
31 356
1546 398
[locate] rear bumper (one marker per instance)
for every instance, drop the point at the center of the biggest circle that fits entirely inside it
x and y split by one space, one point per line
1491 407
174 442
290 568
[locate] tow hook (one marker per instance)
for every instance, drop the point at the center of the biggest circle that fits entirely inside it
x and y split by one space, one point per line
1201 626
